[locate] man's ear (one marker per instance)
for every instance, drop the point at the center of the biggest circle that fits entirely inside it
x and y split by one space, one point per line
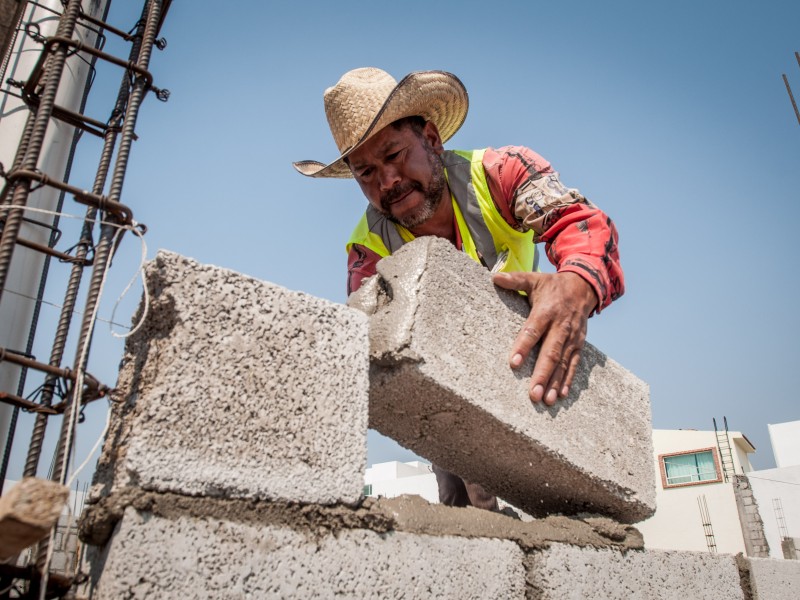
431 133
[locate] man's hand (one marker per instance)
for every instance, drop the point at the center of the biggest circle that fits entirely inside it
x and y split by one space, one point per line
560 306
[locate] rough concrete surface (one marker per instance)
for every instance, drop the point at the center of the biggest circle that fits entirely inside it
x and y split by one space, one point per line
563 572
239 388
154 557
168 545
440 384
774 579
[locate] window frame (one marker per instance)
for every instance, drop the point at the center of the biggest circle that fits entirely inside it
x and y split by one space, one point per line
663 467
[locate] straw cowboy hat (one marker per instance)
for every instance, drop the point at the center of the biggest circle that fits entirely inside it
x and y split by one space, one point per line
366 100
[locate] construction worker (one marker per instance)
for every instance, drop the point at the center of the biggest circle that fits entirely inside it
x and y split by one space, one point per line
491 203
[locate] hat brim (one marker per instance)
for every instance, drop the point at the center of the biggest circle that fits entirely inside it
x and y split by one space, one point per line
436 96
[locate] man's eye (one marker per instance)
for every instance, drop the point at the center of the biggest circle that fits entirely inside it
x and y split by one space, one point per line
366 173
393 155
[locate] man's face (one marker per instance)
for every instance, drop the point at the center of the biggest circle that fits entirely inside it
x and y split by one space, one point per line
400 172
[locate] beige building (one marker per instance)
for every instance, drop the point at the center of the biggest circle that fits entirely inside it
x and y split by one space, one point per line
709 498
695 491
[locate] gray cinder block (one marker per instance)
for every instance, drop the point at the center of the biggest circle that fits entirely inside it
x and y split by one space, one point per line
566 572
440 384
239 388
27 512
773 579
153 557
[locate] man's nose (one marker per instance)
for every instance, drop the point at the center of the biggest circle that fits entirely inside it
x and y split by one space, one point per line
389 177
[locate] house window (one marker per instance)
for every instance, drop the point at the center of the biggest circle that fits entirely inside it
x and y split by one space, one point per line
368 489
690 468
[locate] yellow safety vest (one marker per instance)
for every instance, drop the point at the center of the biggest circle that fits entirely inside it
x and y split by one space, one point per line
485 234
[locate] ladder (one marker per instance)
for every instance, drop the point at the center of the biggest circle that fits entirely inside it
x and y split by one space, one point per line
777 506
705 519
724 449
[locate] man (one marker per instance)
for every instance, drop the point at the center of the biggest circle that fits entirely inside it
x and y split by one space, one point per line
492 204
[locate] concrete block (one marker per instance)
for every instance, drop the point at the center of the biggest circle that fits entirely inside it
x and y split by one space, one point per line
774 579
440 334
239 388
27 512
565 572
154 557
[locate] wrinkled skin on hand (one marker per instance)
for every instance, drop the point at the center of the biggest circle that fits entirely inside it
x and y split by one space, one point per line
560 307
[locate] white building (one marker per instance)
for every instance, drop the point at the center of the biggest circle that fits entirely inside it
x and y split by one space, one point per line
696 506
785 441
777 491
394 478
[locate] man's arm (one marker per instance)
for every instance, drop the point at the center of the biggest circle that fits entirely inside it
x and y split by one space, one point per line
361 264
580 240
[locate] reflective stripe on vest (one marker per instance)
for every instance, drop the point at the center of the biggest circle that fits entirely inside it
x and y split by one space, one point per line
484 232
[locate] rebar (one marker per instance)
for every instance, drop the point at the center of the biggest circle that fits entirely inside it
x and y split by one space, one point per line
49 251
24 361
42 413
105 246
66 26
123 213
791 97
81 251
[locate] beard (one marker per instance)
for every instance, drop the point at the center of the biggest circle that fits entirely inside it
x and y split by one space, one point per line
431 194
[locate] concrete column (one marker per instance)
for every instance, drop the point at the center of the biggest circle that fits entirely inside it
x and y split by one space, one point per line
755 542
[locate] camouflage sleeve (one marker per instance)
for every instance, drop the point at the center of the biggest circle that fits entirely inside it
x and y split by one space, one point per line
578 236
536 201
361 263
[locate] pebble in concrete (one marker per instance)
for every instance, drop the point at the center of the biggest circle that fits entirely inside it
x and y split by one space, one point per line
440 384
239 388
154 557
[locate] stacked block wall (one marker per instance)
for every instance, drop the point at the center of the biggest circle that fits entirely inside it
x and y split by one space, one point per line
234 464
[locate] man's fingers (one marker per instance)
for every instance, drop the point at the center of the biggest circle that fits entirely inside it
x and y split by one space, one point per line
521 282
533 329
526 339
560 306
550 362
556 364
553 388
574 359
571 370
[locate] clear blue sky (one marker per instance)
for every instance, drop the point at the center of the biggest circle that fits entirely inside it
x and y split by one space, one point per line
672 117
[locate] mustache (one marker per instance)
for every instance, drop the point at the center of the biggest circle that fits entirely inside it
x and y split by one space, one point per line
398 192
